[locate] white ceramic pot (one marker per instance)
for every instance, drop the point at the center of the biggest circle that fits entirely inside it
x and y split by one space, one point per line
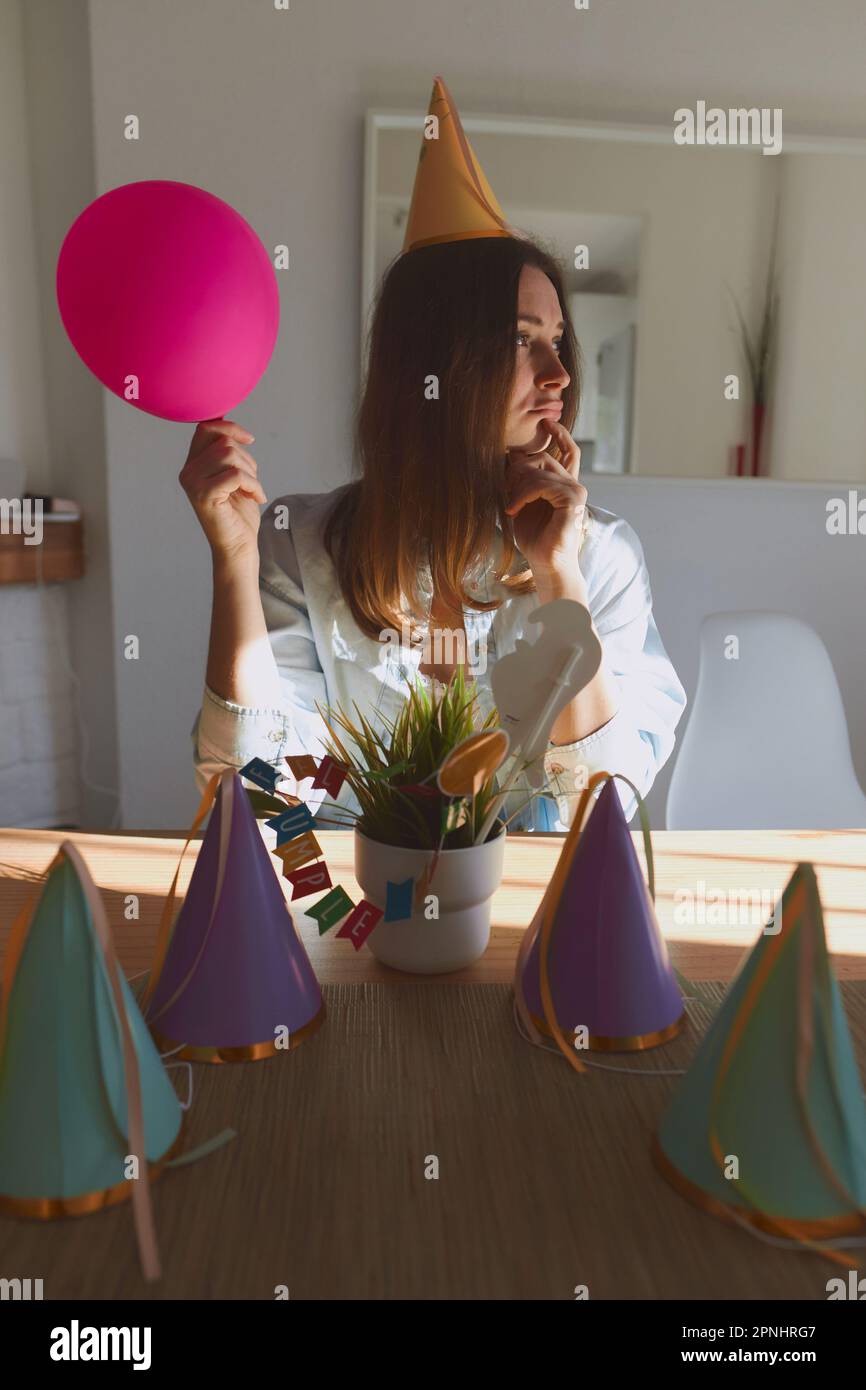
463 884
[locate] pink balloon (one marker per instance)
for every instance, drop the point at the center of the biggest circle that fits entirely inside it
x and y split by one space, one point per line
163 282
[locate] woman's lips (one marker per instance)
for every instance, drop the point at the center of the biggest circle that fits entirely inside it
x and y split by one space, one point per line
554 408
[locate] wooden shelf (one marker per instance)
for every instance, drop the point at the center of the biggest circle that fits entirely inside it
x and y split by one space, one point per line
59 557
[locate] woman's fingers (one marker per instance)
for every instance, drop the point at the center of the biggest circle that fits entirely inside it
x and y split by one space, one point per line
559 435
557 491
544 478
219 469
215 445
209 430
218 487
537 474
222 454
569 449
530 465
220 479
219 454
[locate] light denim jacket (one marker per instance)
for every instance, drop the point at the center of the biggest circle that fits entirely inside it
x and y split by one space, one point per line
323 656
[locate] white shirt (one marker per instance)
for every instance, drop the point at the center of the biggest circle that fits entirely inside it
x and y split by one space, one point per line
323 656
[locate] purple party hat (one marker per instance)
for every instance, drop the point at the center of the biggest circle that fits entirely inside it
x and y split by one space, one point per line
232 982
607 962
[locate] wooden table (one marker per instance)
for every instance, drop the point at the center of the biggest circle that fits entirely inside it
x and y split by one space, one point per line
724 861
545 1179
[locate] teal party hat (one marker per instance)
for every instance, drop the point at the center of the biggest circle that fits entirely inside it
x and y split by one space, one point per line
87 1110
769 1124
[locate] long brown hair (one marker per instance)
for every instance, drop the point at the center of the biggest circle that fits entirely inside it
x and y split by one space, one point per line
430 429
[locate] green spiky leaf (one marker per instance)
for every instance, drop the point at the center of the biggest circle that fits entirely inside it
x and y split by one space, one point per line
264 805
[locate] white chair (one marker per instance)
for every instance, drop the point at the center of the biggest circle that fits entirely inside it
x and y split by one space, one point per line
766 746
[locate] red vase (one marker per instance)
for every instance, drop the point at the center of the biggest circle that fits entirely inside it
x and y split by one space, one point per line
757 431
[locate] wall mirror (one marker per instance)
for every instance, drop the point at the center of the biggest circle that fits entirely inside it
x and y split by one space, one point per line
664 246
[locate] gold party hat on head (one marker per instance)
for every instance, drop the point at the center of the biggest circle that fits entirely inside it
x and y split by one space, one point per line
451 200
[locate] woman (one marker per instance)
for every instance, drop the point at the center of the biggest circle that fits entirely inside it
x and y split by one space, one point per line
468 512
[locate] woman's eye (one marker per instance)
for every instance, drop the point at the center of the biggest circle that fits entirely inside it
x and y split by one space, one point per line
521 342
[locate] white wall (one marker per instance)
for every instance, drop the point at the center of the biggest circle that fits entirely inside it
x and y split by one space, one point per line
733 544
23 424
819 425
39 783
51 416
266 110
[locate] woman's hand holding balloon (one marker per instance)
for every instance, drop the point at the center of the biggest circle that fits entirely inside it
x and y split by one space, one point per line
220 479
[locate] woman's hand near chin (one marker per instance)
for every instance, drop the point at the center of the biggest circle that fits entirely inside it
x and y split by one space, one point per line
547 503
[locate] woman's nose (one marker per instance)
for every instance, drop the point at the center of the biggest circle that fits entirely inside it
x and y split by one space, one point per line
553 374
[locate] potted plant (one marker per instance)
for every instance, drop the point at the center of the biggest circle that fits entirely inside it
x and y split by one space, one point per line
409 829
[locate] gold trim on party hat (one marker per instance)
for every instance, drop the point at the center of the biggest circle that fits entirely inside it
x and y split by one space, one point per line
252 1052
451 200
